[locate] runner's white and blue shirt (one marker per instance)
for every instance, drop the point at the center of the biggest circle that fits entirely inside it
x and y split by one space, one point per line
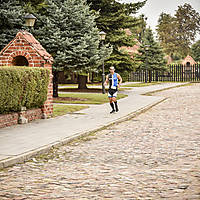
113 81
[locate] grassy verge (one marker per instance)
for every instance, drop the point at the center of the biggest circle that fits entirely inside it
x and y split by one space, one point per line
59 110
89 98
141 84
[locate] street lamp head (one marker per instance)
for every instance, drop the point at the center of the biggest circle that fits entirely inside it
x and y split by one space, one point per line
102 35
30 20
147 46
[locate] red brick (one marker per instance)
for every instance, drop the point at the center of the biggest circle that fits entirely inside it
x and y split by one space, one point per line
3 61
36 61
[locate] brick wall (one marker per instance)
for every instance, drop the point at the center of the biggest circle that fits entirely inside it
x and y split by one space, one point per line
33 114
8 120
13 118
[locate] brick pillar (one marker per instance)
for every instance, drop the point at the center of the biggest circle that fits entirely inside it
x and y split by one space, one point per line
47 108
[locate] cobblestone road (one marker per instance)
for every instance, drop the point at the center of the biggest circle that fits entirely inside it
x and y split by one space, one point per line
155 155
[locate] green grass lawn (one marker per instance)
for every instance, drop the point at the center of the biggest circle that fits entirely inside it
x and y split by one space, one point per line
87 98
70 85
90 89
141 84
59 110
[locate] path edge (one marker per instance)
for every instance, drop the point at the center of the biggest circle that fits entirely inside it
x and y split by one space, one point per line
22 158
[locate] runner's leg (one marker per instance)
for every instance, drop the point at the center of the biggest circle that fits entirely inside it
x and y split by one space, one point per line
115 102
112 104
114 98
110 95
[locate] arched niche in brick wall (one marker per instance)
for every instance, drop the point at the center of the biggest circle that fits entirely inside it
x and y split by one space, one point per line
188 64
20 61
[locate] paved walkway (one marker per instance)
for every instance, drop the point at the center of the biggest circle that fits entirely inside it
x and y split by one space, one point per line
18 143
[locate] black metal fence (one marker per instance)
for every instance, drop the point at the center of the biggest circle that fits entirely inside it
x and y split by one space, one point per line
176 73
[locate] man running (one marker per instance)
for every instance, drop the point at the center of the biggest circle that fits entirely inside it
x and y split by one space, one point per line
112 79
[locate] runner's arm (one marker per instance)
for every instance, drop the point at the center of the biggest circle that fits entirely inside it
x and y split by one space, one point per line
120 79
106 81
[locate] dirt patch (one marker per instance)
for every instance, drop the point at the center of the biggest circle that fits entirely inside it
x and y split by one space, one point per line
68 99
89 90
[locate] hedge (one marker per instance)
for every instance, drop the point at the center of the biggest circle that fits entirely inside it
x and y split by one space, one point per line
22 87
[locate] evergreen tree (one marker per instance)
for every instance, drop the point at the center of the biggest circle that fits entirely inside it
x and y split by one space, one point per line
139 29
33 6
11 20
195 50
12 13
150 56
68 31
114 18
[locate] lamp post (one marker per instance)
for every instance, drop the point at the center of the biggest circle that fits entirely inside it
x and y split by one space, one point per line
103 37
30 20
146 50
143 25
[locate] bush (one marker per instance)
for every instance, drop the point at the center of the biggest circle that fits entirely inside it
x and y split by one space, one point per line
22 87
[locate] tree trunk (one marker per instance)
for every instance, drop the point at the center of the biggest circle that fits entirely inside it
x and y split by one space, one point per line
92 77
73 77
150 76
82 81
156 75
55 84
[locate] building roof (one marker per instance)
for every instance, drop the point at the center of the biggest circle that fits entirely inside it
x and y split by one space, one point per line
168 58
134 48
131 50
30 39
188 59
128 31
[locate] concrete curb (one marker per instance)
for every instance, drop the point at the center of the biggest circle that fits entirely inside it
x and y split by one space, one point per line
168 88
45 149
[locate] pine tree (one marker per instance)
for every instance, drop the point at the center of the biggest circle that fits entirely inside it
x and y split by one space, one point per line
114 18
151 56
33 6
11 20
68 31
138 30
12 13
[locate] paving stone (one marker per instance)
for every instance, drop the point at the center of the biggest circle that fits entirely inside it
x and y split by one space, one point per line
152 156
